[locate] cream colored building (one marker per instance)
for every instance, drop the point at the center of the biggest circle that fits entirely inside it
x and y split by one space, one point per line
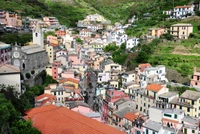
114 83
181 31
146 98
62 91
189 102
113 66
10 75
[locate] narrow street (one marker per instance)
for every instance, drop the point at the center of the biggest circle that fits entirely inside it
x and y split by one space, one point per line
91 90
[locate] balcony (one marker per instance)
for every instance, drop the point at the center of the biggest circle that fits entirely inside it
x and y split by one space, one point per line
2 16
127 126
161 102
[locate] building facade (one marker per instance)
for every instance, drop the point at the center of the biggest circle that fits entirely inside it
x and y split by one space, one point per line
181 31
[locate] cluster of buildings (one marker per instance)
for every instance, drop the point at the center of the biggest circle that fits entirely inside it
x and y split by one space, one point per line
93 24
178 31
11 19
136 101
142 103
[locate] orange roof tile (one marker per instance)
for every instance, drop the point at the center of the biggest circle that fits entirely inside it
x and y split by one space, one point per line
168 120
60 120
69 79
154 87
45 99
184 6
143 66
131 116
54 45
50 96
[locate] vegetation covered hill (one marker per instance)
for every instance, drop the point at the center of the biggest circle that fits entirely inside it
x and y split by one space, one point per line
70 11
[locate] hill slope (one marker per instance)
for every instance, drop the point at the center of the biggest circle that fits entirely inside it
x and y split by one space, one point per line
69 11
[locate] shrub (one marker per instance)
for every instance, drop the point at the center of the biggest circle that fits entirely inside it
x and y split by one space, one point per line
28 76
33 72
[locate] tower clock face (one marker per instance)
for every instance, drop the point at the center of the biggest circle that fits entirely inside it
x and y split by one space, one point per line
16 54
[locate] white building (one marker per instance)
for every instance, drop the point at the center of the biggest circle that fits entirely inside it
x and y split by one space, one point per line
10 75
85 33
153 74
133 42
181 12
128 77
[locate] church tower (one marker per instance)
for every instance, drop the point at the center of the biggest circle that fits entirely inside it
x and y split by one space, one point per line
38 36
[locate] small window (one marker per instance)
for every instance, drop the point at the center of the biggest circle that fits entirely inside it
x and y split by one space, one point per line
175 116
193 131
36 34
167 115
188 109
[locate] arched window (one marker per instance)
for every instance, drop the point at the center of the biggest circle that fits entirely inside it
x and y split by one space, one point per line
36 34
23 66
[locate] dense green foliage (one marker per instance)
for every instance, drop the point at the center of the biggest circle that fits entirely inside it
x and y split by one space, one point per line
12 38
119 54
180 90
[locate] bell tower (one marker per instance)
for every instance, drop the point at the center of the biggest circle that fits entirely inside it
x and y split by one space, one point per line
38 36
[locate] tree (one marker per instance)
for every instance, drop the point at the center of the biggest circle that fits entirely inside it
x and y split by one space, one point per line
28 76
142 57
49 33
8 115
24 127
79 41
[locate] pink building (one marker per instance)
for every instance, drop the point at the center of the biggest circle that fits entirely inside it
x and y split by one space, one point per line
68 74
195 81
55 66
3 17
74 59
111 96
84 109
12 19
4 53
51 39
51 21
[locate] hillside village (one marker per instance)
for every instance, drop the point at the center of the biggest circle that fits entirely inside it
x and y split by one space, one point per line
85 84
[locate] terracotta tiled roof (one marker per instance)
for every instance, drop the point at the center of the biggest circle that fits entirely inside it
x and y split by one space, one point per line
54 45
60 120
184 6
154 87
69 79
50 96
168 120
45 99
143 66
131 116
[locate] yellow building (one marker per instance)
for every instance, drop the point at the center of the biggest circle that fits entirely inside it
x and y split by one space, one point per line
181 31
189 102
70 81
147 98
